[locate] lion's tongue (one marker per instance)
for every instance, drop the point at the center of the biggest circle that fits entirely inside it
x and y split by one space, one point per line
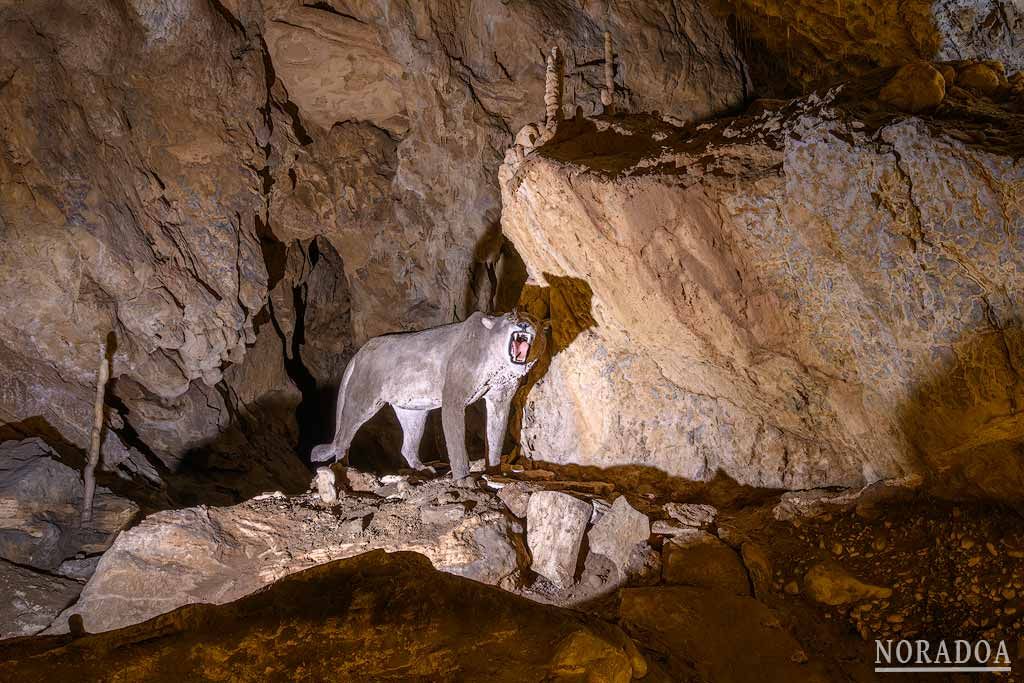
521 349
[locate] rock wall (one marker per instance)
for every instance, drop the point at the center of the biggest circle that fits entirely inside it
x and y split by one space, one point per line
168 171
791 46
795 298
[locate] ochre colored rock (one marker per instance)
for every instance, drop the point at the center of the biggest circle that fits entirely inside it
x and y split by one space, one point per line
374 617
982 77
916 87
712 635
830 584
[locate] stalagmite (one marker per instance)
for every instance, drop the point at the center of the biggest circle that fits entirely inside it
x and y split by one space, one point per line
553 89
89 475
608 93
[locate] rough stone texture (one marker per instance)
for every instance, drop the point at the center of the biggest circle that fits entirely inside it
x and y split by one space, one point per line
708 635
555 524
40 509
692 514
389 94
31 599
697 558
516 497
981 78
916 87
618 532
801 43
785 297
126 205
217 555
830 584
371 618
309 157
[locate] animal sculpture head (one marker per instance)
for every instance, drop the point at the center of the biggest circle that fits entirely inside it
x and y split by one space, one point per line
519 334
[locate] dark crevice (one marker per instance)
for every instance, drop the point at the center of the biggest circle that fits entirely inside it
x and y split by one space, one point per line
228 17
326 7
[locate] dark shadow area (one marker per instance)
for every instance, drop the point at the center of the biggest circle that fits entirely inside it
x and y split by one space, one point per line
793 47
967 421
565 304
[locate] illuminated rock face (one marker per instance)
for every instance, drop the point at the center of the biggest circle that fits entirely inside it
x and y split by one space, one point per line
792 298
165 172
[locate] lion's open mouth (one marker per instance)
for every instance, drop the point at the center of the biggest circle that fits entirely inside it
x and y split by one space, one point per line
519 347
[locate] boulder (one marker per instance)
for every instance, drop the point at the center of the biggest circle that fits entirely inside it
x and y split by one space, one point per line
914 88
555 525
216 555
830 584
691 514
374 617
982 77
696 558
40 508
618 532
31 600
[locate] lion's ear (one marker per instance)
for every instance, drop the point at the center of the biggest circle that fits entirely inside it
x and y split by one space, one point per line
488 323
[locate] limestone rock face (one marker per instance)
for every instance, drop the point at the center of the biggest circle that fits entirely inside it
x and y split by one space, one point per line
374 617
783 298
217 555
40 509
190 176
406 110
126 205
819 43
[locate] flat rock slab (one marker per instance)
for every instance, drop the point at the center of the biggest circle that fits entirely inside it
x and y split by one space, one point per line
29 600
618 531
216 555
555 524
371 618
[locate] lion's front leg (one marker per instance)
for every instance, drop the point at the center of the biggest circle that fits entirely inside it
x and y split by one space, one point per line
453 419
499 402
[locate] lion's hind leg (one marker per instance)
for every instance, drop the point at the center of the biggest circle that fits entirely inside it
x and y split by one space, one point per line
413 423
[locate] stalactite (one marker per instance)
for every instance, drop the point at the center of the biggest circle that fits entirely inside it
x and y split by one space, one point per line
89 475
553 89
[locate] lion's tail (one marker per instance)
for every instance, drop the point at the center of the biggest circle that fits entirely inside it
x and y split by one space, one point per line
329 450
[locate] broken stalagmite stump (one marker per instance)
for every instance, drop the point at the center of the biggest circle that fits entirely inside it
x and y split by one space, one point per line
608 93
553 89
89 475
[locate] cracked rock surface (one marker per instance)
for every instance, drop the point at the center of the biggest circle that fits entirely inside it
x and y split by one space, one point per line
814 294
